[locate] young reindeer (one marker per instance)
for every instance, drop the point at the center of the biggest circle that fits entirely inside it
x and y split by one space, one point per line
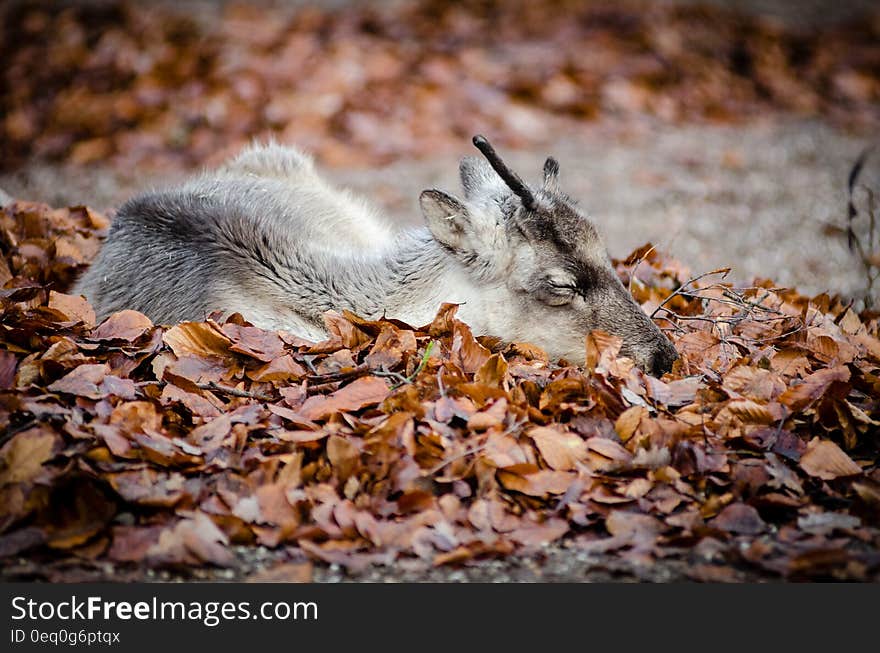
268 237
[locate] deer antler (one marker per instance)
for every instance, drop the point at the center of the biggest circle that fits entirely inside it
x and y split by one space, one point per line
507 175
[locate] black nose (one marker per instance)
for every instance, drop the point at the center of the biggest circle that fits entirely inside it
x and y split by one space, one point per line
663 359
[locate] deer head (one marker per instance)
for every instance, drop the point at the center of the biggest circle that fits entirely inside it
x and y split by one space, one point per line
542 262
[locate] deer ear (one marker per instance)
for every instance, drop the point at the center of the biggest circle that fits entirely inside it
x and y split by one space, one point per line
551 174
447 218
478 178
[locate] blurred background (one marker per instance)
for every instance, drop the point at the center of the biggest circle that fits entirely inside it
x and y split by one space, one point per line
723 132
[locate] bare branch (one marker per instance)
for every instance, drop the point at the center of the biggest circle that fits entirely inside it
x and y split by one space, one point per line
234 392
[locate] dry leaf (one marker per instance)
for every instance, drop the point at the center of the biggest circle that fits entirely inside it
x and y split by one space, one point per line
825 460
561 450
354 396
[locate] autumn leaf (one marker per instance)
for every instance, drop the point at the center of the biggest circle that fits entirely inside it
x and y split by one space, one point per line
83 381
192 539
601 348
492 372
354 396
628 421
149 487
75 309
125 325
198 339
79 513
343 455
538 484
389 348
741 519
23 456
263 345
561 450
533 534
814 386
825 460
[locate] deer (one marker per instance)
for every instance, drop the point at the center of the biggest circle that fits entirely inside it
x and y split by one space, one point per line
267 236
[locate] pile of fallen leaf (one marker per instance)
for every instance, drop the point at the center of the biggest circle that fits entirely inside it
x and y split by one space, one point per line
132 443
143 85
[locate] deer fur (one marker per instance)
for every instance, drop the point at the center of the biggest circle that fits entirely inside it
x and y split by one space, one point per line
267 236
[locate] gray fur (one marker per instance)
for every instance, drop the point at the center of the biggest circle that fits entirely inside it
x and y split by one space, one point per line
267 236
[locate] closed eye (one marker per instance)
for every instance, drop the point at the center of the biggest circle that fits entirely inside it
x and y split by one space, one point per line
566 288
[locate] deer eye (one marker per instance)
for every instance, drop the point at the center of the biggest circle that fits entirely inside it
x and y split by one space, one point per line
557 292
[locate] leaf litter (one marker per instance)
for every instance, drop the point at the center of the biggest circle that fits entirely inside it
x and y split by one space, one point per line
129 443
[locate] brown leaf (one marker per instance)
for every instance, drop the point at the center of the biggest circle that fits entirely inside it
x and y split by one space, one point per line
503 450
253 342
674 393
748 412
628 421
20 540
125 325
196 404
493 372
466 351
199 339
23 456
388 350
74 308
825 460
8 366
561 450
602 349
343 455
82 381
192 540
606 455
814 386
537 484
79 510
149 487
354 396
753 383
539 534
210 435
740 519
283 368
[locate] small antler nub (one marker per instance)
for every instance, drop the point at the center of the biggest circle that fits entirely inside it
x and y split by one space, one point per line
507 175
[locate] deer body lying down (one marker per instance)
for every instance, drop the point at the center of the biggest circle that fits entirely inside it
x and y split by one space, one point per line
268 237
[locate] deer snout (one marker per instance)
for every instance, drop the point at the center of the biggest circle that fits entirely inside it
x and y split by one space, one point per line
643 341
654 356
663 358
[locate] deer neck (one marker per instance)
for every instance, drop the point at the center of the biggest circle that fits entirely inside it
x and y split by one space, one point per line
410 280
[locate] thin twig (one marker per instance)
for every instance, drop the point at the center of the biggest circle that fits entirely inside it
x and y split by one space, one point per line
682 288
632 274
235 392
332 377
452 459
467 452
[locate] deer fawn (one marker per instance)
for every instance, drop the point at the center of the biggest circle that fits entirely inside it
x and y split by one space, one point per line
268 237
